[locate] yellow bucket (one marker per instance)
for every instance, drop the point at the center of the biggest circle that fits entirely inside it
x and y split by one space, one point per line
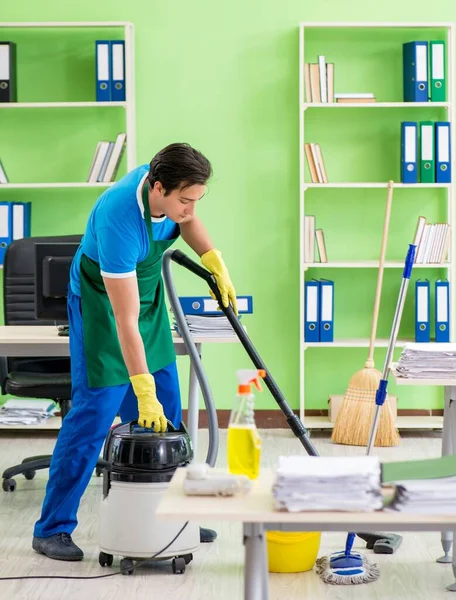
292 552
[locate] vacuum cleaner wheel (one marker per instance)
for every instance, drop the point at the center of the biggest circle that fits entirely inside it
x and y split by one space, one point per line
127 566
178 565
105 560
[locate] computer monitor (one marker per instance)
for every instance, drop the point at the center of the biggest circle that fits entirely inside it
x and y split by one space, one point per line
52 274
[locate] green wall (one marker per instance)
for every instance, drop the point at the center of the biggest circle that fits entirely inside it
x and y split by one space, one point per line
224 77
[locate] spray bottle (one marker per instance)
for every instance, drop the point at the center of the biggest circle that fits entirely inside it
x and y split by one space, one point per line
244 442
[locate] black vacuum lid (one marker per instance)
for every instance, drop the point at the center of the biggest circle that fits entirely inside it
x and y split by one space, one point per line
133 448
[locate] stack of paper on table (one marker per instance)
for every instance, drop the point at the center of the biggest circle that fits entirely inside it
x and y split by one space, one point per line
314 483
26 412
423 486
209 325
427 361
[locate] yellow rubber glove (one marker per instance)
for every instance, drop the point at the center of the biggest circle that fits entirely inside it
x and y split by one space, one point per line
213 262
150 409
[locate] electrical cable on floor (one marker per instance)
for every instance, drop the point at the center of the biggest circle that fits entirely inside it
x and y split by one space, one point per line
121 572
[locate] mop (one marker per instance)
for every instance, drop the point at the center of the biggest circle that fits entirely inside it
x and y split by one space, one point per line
351 567
352 423
347 567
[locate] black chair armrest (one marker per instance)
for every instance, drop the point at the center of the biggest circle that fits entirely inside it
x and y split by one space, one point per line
3 373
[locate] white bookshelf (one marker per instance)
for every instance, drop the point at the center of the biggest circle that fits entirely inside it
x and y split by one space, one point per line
307 105
305 186
353 343
403 423
372 185
13 105
78 184
127 30
370 264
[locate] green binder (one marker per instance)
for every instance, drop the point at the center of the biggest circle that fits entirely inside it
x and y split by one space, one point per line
432 468
437 84
427 152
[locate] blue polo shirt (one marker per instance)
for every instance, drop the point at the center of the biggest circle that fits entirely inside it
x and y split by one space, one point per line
116 234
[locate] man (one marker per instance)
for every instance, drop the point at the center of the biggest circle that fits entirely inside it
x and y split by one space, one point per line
122 353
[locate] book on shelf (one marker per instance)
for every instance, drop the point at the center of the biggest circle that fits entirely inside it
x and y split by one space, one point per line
309 239
425 150
319 85
355 98
312 235
8 72
424 66
106 160
110 70
321 245
319 81
3 176
432 242
316 163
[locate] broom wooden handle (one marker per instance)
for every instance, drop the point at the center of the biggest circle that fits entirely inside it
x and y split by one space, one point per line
378 293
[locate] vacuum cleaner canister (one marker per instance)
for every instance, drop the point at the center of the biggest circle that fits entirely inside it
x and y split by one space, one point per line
142 463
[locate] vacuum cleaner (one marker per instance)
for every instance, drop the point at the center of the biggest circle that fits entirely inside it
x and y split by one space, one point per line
141 462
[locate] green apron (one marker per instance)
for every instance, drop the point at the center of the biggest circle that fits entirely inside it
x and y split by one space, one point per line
105 364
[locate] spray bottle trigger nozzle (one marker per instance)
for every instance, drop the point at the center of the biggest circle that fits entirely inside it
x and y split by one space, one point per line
256 381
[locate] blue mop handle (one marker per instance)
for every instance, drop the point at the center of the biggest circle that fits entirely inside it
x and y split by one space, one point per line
349 544
381 393
409 260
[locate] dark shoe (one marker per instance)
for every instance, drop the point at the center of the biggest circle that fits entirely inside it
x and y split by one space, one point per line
59 547
207 535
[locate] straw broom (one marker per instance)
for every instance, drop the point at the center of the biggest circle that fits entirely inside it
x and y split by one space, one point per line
354 420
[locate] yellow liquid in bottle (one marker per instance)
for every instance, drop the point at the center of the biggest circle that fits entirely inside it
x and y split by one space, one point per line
244 450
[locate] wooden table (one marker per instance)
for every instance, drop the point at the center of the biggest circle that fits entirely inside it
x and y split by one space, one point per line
256 512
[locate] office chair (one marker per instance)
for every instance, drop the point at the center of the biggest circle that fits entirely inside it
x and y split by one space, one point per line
34 377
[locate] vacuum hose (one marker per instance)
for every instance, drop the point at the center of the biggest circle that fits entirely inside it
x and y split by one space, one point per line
294 422
195 358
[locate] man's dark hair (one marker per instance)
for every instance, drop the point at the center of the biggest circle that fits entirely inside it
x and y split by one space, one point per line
179 166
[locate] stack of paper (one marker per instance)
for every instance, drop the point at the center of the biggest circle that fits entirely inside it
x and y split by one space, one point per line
427 361
209 326
423 486
311 483
26 412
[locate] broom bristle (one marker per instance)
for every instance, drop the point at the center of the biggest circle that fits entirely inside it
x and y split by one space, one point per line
355 418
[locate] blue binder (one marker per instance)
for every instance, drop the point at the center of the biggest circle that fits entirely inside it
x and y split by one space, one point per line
422 311
118 71
103 70
442 311
21 220
415 71
205 305
442 152
6 228
409 152
311 311
326 311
